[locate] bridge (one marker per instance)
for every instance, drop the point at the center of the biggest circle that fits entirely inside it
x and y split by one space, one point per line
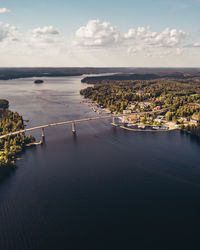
73 122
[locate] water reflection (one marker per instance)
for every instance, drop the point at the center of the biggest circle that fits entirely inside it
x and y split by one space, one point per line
6 173
192 138
75 138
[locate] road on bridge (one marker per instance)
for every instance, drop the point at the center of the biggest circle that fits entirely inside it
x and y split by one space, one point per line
77 121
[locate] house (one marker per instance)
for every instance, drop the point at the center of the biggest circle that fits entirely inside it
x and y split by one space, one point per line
145 105
131 106
193 121
158 120
133 118
157 108
185 119
125 112
139 92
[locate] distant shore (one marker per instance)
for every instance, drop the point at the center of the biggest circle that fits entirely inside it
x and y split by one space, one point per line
16 73
18 76
9 73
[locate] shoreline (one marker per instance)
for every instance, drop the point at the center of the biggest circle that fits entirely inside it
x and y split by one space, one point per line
147 130
34 143
95 107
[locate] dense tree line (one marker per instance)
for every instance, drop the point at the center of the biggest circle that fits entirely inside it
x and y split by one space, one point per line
176 95
4 104
192 129
11 146
151 75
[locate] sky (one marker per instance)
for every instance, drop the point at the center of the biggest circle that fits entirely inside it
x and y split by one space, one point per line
91 33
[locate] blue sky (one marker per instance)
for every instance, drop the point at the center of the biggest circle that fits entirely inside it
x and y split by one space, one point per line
124 13
68 16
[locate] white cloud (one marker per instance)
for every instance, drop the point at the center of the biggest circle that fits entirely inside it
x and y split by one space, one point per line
167 38
4 10
97 33
196 45
47 30
7 32
43 37
193 45
40 41
141 33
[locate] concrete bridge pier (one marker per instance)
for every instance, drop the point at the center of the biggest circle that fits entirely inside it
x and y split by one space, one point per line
73 128
43 134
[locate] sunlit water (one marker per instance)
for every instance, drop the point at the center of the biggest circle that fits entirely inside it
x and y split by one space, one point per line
105 188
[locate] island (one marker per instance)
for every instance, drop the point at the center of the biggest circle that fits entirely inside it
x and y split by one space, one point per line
38 81
161 101
12 146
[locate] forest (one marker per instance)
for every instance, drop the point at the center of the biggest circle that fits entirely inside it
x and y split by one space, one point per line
12 146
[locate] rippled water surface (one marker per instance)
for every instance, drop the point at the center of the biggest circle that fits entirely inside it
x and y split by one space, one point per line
104 188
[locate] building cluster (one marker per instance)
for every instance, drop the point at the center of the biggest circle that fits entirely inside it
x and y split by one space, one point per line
153 117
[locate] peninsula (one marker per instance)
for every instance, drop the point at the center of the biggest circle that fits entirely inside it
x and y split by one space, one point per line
11 146
178 94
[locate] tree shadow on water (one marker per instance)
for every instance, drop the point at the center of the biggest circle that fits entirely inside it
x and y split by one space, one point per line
193 138
5 173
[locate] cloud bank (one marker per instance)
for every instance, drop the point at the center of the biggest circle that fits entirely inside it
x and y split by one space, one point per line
98 34
166 38
92 40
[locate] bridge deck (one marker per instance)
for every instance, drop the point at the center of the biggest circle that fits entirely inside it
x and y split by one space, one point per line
75 121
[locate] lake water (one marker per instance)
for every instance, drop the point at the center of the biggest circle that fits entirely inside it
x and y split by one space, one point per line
105 188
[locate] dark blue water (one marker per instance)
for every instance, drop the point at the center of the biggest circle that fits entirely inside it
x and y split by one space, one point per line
105 188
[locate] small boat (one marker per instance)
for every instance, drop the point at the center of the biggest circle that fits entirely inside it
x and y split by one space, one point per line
159 128
141 126
156 127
